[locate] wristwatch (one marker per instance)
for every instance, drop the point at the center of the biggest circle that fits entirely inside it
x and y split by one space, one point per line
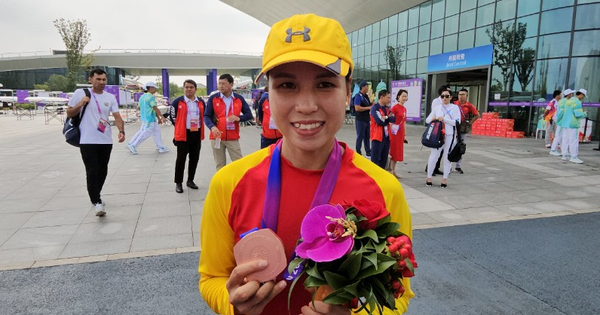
122 131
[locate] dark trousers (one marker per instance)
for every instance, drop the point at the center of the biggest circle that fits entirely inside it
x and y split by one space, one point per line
95 158
265 142
380 151
191 147
363 134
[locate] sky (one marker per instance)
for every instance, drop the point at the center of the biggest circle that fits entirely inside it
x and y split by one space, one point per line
206 25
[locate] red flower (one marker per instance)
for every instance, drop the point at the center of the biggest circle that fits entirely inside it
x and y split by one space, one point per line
372 211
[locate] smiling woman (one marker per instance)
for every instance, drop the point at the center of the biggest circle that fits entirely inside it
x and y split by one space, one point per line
308 64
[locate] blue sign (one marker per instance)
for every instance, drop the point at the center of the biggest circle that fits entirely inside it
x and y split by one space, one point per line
466 58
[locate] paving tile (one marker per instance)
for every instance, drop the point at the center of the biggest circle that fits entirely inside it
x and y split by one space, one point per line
56 217
6 234
428 205
27 204
96 248
20 255
104 231
40 237
14 220
68 203
162 242
148 227
165 209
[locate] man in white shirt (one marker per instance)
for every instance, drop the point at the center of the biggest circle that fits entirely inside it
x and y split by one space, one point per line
96 135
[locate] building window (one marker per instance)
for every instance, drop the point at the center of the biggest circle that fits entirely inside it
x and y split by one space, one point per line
423 49
424 32
411 68
425 13
550 75
413 36
413 17
466 5
526 7
484 2
437 29
584 74
553 21
467 20
437 10
436 46
450 42
402 39
384 29
505 10
553 4
586 43
368 33
376 33
531 23
422 65
452 7
451 25
411 52
465 39
485 15
393 26
587 16
402 21
481 37
556 45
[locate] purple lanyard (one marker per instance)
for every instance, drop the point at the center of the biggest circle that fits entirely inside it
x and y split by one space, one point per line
97 105
322 195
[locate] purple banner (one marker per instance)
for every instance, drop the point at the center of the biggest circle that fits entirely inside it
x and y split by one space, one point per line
591 104
114 90
136 96
414 87
21 95
540 104
519 104
498 103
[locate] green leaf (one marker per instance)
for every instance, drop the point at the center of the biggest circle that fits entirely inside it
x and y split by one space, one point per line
352 289
292 288
386 229
384 220
370 234
314 272
294 263
380 247
382 265
409 265
311 282
372 258
351 266
335 280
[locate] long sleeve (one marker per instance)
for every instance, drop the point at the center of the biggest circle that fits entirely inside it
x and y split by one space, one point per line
259 110
209 112
216 239
431 116
246 112
578 111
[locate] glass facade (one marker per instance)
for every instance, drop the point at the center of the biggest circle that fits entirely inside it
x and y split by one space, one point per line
26 79
540 46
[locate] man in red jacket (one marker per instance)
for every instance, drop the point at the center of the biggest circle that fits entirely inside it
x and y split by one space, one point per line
224 112
187 113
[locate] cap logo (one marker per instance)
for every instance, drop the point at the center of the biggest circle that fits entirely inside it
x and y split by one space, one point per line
288 38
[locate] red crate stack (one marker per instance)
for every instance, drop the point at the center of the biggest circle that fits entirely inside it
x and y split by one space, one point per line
490 124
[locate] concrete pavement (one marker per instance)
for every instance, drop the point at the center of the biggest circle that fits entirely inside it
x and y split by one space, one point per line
46 217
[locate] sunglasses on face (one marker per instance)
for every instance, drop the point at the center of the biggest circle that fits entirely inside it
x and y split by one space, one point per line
446 96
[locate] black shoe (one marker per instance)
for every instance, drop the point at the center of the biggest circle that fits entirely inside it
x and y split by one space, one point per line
429 184
459 170
437 172
444 185
191 184
178 188
368 153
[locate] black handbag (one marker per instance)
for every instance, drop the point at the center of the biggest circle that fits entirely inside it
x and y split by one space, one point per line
71 128
459 149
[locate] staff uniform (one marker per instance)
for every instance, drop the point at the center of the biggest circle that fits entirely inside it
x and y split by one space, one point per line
569 115
380 134
270 134
467 110
188 117
149 125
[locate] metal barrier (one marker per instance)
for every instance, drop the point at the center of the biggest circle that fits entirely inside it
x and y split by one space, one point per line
54 112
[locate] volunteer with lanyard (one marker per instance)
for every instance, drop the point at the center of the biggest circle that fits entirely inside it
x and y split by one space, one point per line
450 115
307 62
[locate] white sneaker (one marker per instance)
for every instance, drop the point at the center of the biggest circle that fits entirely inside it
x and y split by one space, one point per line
163 150
576 160
548 145
132 149
565 158
99 208
555 153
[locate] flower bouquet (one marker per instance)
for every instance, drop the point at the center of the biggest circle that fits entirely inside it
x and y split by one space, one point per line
355 254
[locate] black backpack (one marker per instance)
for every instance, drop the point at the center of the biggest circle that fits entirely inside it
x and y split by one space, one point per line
459 149
71 127
433 137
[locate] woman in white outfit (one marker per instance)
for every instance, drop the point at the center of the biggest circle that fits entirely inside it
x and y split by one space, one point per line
450 115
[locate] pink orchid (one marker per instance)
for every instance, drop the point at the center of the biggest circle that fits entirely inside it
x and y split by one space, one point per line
326 234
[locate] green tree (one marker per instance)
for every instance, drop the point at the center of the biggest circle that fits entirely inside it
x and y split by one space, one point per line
44 87
76 35
393 56
508 46
524 67
58 82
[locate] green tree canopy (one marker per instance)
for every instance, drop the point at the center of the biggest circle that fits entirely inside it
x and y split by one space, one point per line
76 35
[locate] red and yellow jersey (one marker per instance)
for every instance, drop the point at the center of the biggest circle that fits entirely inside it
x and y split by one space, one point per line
234 205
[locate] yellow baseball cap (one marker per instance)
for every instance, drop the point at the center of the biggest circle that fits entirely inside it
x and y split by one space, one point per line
310 38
